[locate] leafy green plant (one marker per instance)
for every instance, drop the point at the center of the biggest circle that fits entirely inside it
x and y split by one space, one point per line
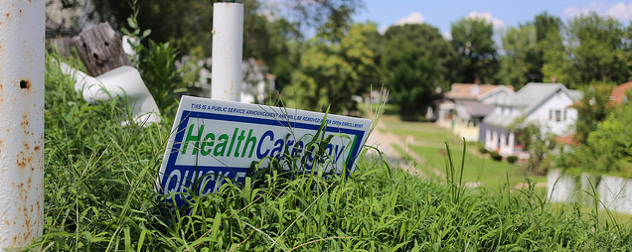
156 64
512 159
159 72
482 149
495 156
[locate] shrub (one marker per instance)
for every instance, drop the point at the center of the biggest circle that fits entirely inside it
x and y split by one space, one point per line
512 159
482 149
496 156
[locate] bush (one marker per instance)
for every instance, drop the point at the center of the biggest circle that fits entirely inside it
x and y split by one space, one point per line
482 149
496 156
512 159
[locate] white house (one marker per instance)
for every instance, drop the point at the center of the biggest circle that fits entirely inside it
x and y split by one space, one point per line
545 104
256 86
465 105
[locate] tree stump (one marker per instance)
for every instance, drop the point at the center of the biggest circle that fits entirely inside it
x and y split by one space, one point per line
100 49
62 45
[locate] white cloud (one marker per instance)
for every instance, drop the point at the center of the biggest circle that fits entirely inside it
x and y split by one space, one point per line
413 18
620 11
497 23
383 28
447 35
572 11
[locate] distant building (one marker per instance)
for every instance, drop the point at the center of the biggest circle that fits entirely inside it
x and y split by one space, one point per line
546 104
465 105
256 86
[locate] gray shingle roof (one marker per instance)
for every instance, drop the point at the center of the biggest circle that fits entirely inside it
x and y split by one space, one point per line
469 109
526 100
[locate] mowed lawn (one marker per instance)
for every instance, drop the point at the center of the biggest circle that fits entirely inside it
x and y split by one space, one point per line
427 140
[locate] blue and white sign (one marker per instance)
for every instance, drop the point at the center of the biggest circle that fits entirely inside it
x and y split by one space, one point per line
213 141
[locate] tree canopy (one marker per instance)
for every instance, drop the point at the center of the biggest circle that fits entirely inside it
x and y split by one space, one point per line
416 62
476 50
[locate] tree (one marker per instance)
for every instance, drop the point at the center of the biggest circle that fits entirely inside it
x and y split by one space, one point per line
608 149
592 109
553 56
477 55
521 62
537 142
597 46
416 62
333 68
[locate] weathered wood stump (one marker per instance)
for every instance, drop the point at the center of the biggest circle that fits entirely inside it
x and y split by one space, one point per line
62 45
100 49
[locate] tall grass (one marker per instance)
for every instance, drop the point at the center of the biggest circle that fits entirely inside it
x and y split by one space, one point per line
99 196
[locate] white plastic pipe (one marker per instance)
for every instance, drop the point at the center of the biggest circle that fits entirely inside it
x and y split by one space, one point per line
21 122
123 82
228 34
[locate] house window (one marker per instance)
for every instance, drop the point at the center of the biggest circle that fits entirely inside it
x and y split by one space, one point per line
556 115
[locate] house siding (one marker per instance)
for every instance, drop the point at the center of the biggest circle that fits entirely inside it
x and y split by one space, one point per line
560 101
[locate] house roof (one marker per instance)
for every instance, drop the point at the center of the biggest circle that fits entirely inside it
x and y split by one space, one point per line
619 92
472 91
526 100
469 109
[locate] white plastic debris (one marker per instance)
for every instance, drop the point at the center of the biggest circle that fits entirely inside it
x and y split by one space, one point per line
122 82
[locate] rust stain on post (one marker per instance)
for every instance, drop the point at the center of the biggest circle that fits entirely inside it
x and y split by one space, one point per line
21 161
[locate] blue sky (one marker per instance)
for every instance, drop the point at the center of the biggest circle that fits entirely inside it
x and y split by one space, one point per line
503 13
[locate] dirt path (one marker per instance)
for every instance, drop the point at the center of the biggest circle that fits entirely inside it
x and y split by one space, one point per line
382 139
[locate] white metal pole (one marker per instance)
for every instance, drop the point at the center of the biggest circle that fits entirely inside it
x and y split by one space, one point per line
22 34
228 33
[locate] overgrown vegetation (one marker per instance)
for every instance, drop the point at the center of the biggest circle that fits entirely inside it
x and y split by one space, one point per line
608 149
99 196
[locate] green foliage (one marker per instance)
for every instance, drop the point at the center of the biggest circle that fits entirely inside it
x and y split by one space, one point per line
592 109
454 176
551 51
521 63
476 50
99 196
536 140
597 43
157 67
482 149
495 156
512 159
331 72
416 62
156 64
608 149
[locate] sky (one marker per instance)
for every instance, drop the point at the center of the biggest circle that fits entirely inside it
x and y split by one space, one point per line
502 13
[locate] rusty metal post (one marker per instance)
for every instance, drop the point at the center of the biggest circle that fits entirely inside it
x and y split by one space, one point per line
228 35
22 35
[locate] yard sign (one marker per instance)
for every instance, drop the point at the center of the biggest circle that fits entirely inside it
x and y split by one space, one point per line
213 141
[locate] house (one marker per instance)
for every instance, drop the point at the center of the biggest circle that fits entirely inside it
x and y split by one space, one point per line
620 94
545 104
469 115
256 86
465 105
